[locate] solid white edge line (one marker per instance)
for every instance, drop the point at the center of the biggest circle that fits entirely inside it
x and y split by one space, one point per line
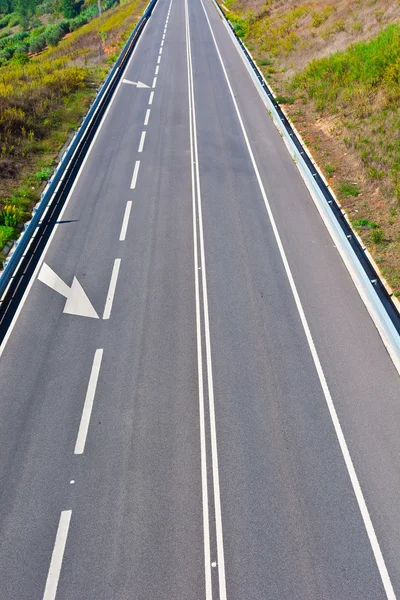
364 287
125 221
88 404
141 143
146 119
135 174
57 556
111 289
151 98
387 584
42 257
203 451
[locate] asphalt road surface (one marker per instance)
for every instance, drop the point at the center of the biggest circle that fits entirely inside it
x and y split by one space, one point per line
195 403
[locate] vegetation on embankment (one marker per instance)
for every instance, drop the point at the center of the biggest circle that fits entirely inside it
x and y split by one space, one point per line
42 101
336 69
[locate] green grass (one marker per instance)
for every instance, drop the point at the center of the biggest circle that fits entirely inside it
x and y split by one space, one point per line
365 223
43 101
348 189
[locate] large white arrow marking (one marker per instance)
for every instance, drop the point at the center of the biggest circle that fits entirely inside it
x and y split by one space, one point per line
138 84
77 302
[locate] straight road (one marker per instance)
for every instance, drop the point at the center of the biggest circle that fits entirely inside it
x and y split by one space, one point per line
195 402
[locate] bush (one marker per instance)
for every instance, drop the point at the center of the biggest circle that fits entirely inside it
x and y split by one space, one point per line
53 35
37 44
377 236
78 22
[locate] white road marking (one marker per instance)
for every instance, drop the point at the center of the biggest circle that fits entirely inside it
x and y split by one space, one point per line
151 97
88 405
197 209
162 43
135 174
57 556
146 119
141 143
154 82
138 84
77 302
163 37
158 60
64 208
125 221
387 584
157 69
111 289
160 51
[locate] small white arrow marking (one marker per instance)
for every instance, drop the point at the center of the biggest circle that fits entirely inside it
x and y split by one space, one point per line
77 301
138 84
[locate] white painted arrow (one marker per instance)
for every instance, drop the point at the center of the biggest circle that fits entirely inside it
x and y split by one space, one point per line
77 302
138 84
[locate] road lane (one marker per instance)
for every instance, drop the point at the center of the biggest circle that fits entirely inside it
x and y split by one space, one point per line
219 137
136 496
180 344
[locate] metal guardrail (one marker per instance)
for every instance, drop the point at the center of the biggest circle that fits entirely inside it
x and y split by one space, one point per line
353 242
72 153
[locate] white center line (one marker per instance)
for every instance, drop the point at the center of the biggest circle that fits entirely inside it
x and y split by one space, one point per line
125 221
111 289
88 405
157 69
141 143
158 60
154 82
135 173
146 119
57 556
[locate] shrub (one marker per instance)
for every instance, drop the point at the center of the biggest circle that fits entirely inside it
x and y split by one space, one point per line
9 216
37 44
377 236
6 233
53 35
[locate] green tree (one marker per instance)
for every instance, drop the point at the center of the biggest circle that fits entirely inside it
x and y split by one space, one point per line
70 8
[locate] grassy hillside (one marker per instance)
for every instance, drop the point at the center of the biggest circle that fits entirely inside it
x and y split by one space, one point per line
43 98
336 68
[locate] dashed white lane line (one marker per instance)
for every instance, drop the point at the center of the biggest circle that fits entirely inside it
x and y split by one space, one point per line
154 82
163 37
160 51
125 221
135 173
158 60
57 556
88 405
141 143
111 289
146 119
162 43
151 97
157 69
